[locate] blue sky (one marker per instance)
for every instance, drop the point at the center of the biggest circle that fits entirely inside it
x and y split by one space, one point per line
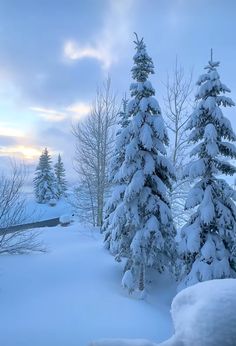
54 54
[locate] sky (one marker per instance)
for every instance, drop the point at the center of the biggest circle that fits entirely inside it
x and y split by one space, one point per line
55 53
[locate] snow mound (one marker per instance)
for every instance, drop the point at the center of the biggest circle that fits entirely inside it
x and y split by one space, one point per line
65 219
203 315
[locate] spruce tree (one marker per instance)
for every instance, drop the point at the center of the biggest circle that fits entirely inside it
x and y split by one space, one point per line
44 181
142 225
60 174
117 186
208 240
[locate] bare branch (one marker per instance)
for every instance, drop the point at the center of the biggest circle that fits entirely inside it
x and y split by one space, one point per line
93 150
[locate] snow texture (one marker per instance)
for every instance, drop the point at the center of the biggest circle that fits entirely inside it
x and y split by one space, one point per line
203 315
72 295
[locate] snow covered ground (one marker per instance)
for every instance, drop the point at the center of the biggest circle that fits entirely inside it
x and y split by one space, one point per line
203 315
39 212
72 295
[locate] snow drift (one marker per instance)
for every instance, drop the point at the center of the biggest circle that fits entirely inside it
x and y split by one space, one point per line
203 315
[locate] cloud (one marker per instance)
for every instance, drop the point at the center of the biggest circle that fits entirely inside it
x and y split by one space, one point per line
21 151
110 42
7 140
75 111
74 52
79 110
10 131
49 114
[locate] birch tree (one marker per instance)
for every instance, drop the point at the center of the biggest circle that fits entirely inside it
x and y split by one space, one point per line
94 143
177 111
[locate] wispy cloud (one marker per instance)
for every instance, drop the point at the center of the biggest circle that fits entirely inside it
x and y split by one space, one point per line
49 114
9 130
73 51
75 111
110 42
79 110
21 151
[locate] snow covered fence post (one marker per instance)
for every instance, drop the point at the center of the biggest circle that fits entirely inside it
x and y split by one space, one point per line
208 239
142 229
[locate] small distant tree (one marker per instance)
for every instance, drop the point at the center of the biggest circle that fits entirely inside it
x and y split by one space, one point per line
60 175
44 181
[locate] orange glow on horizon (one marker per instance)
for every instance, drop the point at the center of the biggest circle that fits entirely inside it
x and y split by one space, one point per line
21 151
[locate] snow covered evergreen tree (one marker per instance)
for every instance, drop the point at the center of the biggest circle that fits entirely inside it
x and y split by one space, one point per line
118 187
44 181
208 240
142 227
60 174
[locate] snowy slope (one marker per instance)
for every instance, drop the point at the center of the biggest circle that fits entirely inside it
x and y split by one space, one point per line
72 295
38 212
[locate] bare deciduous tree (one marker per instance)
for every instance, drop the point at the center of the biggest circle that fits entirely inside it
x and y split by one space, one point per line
177 110
13 212
94 143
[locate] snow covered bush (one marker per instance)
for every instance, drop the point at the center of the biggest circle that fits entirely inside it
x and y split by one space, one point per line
208 240
141 229
203 315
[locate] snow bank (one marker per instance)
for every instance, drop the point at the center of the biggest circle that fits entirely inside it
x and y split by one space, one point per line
203 315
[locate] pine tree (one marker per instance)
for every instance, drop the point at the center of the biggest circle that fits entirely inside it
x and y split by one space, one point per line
61 183
44 181
142 225
208 240
118 187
